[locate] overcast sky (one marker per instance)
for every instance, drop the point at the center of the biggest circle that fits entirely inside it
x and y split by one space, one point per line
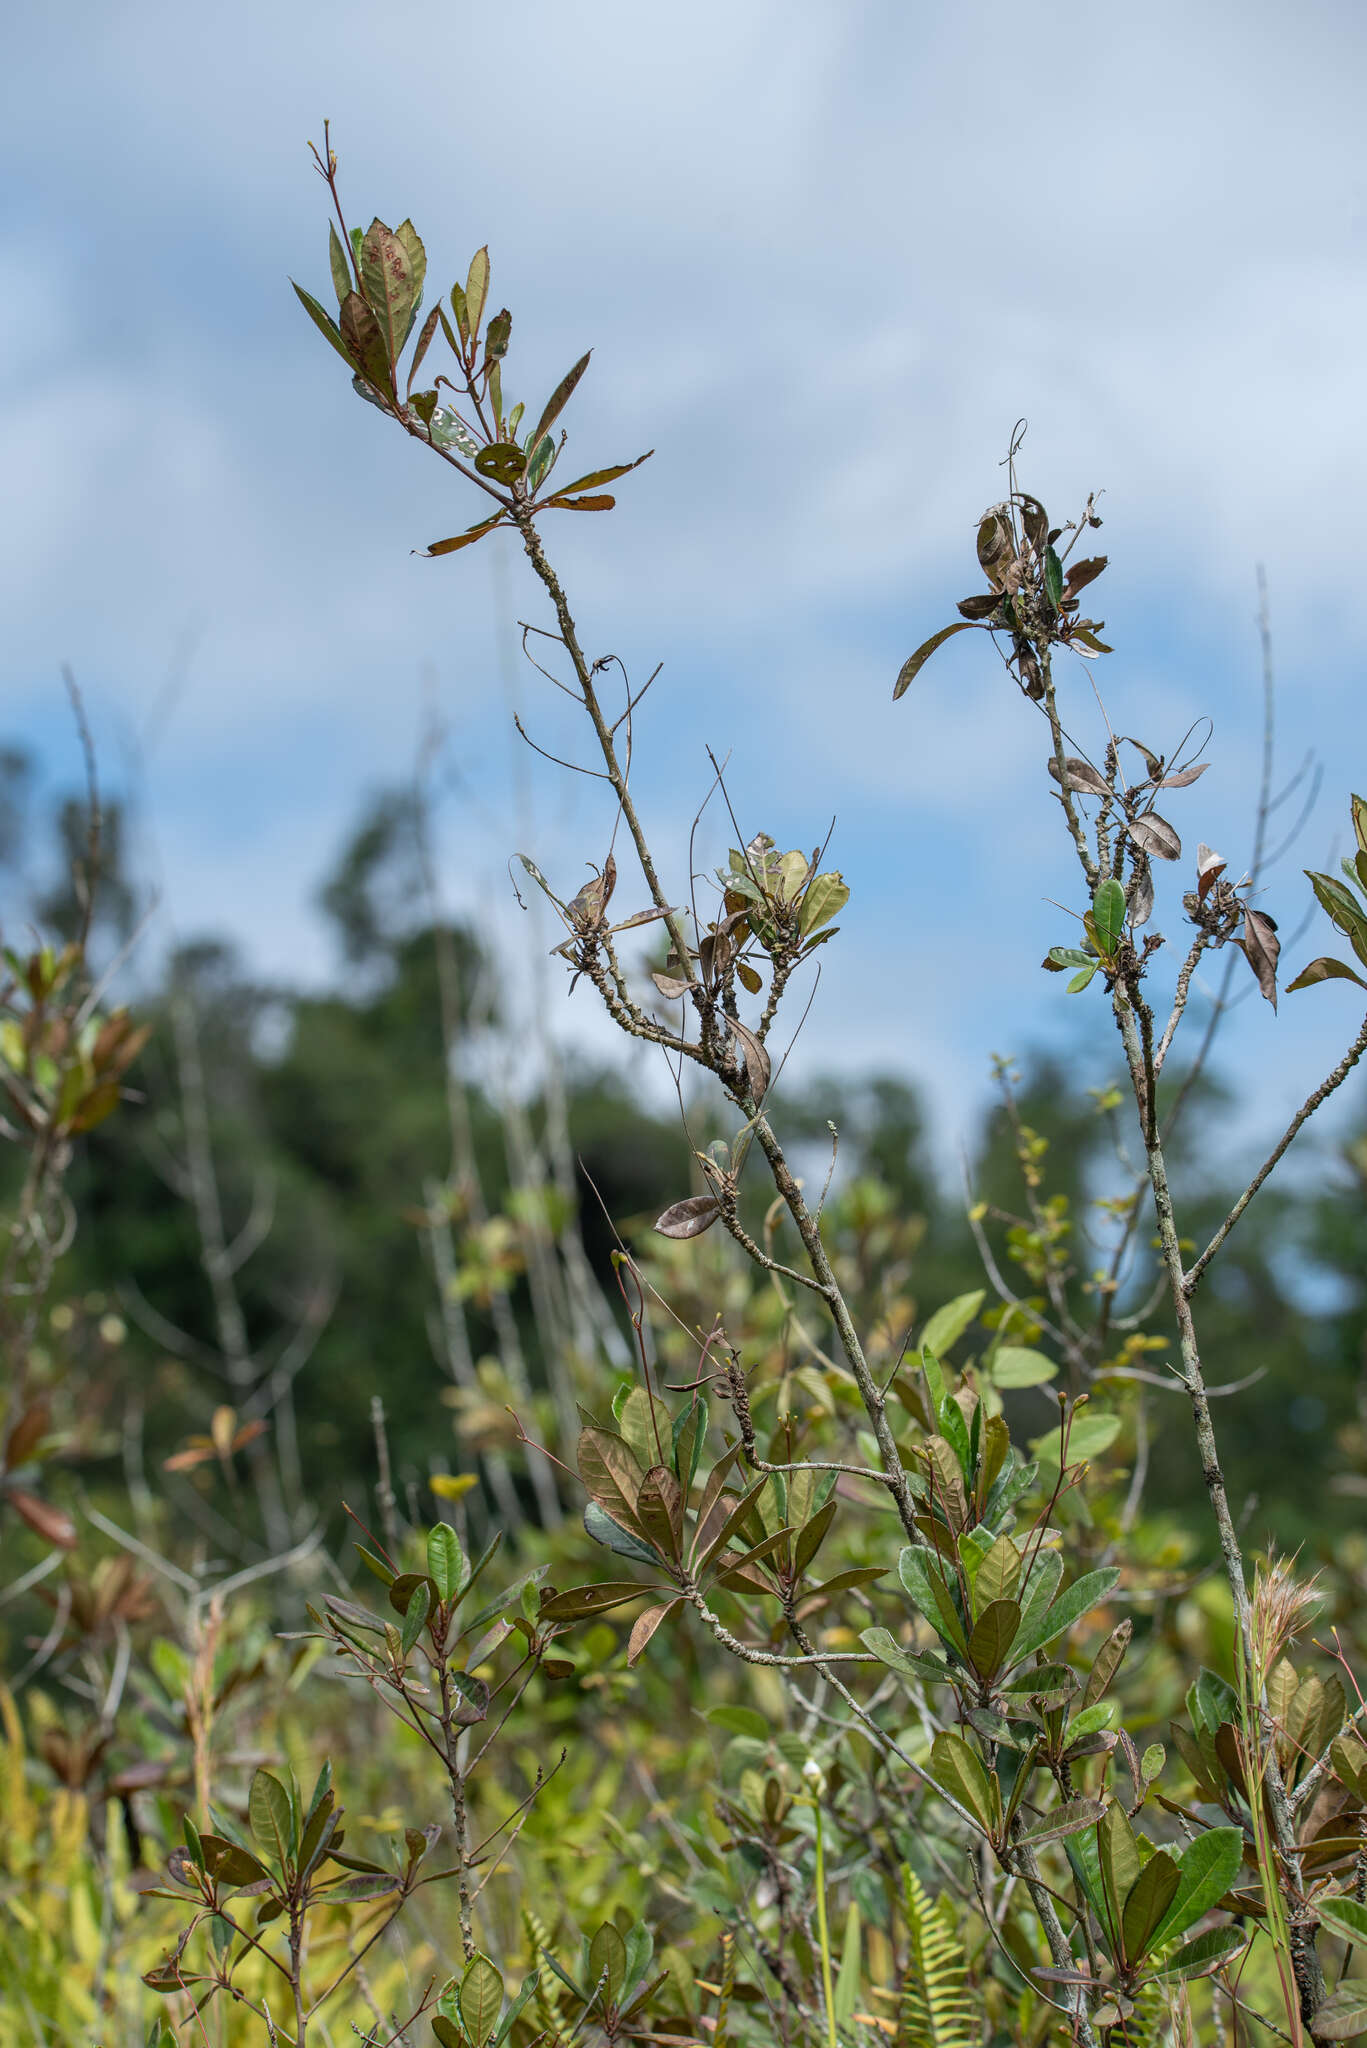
826 255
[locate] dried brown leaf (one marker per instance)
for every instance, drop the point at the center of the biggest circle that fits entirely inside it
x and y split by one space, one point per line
1261 947
1081 776
645 1625
1141 892
1155 836
1080 574
689 1218
758 1066
1210 865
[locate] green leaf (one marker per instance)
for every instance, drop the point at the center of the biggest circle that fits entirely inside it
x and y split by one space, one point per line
1344 1917
640 1949
342 281
268 1811
1069 1819
560 398
1108 916
920 1574
1119 1860
1209 1952
1147 1901
613 1536
410 241
1088 1438
1053 578
847 1982
496 341
948 1324
1060 957
502 462
607 1963
1083 1594
324 323
913 665
998 1575
605 476
1324 969
955 1435
415 1616
689 1438
227 1864
476 291
1107 1662
739 1721
811 1537
826 897
1014 1366
365 342
387 282
446 1563
597 1599
1206 1870
530 1984
960 1771
904 1662
1076 983
992 1637
480 1999
1342 2017
539 462
1038 1590
1343 910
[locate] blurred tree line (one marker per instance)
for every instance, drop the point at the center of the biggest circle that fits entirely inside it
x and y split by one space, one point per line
272 1195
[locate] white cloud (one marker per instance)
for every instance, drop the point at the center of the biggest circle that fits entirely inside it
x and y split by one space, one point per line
827 256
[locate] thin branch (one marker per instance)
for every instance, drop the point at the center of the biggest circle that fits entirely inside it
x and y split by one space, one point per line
1307 1109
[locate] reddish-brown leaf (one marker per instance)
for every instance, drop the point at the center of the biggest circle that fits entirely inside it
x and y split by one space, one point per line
689 1218
48 1522
645 1625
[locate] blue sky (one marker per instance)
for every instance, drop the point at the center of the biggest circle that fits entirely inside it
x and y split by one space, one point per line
826 255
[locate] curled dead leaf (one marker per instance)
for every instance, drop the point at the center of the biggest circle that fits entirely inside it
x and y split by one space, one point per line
1081 775
1210 865
1155 836
689 1218
1261 947
758 1066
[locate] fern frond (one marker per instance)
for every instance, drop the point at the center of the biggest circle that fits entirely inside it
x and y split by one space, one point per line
935 2011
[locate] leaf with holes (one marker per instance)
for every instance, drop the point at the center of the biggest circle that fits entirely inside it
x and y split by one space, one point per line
582 1601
